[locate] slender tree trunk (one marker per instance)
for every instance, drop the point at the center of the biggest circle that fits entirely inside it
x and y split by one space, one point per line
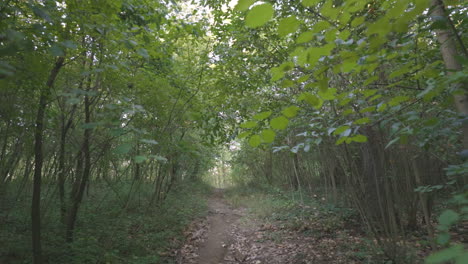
38 162
449 52
83 181
84 177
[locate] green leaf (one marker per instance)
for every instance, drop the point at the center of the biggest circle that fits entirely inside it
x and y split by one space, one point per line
259 15
69 44
303 78
287 66
263 115
308 3
123 149
367 109
340 130
341 140
445 255
393 141
255 141
287 83
358 21
158 158
443 238
249 124
56 50
140 159
381 107
348 112
359 138
143 52
40 12
361 121
305 37
328 94
243 5
448 218
276 74
268 135
462 258
244 134
149 141
397 100
291 111
369 92
311 99
288 25
279 123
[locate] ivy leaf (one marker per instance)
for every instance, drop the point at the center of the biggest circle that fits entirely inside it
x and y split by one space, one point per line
255 141
259 15
288 25
263 115
243 5
290 111
268 135
279 123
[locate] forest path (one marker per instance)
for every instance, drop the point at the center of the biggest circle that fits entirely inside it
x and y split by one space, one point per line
222 218
209 240
233 235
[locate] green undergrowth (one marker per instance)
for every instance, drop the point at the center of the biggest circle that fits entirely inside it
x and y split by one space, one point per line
309 214
109 229
294 208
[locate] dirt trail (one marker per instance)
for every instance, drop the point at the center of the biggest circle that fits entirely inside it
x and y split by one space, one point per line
233 236
220 220
211 238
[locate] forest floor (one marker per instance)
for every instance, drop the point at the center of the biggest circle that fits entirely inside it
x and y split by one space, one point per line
236 234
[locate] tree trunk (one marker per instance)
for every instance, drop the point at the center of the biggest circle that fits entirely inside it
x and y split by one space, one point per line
449 54
38 162
78 197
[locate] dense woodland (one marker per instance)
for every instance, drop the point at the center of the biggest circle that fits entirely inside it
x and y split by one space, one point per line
116 115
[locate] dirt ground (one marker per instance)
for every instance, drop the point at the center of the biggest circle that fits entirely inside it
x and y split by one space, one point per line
231 235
